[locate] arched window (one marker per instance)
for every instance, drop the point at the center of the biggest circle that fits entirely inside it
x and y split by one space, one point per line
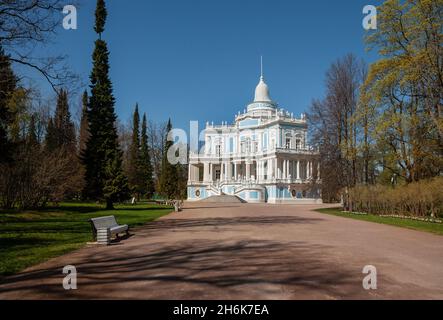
298 142
288 141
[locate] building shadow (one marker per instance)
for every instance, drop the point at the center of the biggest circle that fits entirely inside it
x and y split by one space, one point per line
197 264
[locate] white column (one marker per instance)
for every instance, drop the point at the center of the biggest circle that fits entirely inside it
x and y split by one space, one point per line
269 173
205 171
318 170
298 169
196 173
287 169
284 169
248 171
308 169
259 170
311 170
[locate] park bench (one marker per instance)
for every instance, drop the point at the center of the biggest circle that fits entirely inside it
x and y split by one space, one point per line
108 223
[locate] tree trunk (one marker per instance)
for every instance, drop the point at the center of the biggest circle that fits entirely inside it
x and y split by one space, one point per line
109 204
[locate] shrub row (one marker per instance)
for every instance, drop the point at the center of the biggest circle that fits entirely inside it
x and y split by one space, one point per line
419 199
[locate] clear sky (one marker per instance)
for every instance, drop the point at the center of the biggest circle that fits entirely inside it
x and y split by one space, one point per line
200 59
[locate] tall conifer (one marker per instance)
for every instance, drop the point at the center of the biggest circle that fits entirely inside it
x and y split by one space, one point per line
168 176
8 83
145 161
102 156
84 131
135 177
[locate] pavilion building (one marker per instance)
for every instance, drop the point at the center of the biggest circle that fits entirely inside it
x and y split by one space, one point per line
263 156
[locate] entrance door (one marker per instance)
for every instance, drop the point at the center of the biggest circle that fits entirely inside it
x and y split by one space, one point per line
217 174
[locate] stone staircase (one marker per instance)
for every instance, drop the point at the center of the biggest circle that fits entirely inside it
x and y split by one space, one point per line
223 199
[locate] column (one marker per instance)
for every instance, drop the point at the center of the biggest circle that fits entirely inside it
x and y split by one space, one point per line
290 167
318 170
194 173
270 162
205 171
248 171
285 169
298 169
311 169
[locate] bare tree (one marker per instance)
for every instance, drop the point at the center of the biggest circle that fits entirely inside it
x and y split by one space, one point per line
336 129
27 24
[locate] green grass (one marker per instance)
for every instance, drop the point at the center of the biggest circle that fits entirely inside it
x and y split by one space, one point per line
31 237
436 228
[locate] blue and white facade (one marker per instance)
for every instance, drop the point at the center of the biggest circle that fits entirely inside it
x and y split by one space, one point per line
263 156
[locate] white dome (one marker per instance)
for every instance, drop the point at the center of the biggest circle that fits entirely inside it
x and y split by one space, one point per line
262 92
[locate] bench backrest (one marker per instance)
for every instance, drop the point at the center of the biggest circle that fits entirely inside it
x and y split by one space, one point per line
104 222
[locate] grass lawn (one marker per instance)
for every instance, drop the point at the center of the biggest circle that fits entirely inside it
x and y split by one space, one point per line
31 237
436 228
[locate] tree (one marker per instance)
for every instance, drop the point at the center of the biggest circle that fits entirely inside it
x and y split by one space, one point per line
64 129
404 88
336 128
26 24
32 132
135 177
145 162
116 188
8 83
84 127
168 181
50 139
102 157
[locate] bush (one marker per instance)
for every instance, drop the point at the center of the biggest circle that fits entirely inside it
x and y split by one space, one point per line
419 199
37 177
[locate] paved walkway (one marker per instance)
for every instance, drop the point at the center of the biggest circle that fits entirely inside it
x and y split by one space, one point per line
245 251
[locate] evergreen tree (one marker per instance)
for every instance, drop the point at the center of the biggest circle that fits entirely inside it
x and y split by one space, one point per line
32 132
135 178
50 139
102 156
63 125
84 131
145 161
100 17
8 83
168 177
60 133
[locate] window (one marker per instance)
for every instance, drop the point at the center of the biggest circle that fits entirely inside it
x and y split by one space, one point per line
248 146
298 144
218 150
288 143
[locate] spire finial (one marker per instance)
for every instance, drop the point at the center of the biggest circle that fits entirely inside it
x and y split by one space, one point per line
261 67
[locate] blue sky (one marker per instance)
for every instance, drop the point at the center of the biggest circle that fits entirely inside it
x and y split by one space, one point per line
200 59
